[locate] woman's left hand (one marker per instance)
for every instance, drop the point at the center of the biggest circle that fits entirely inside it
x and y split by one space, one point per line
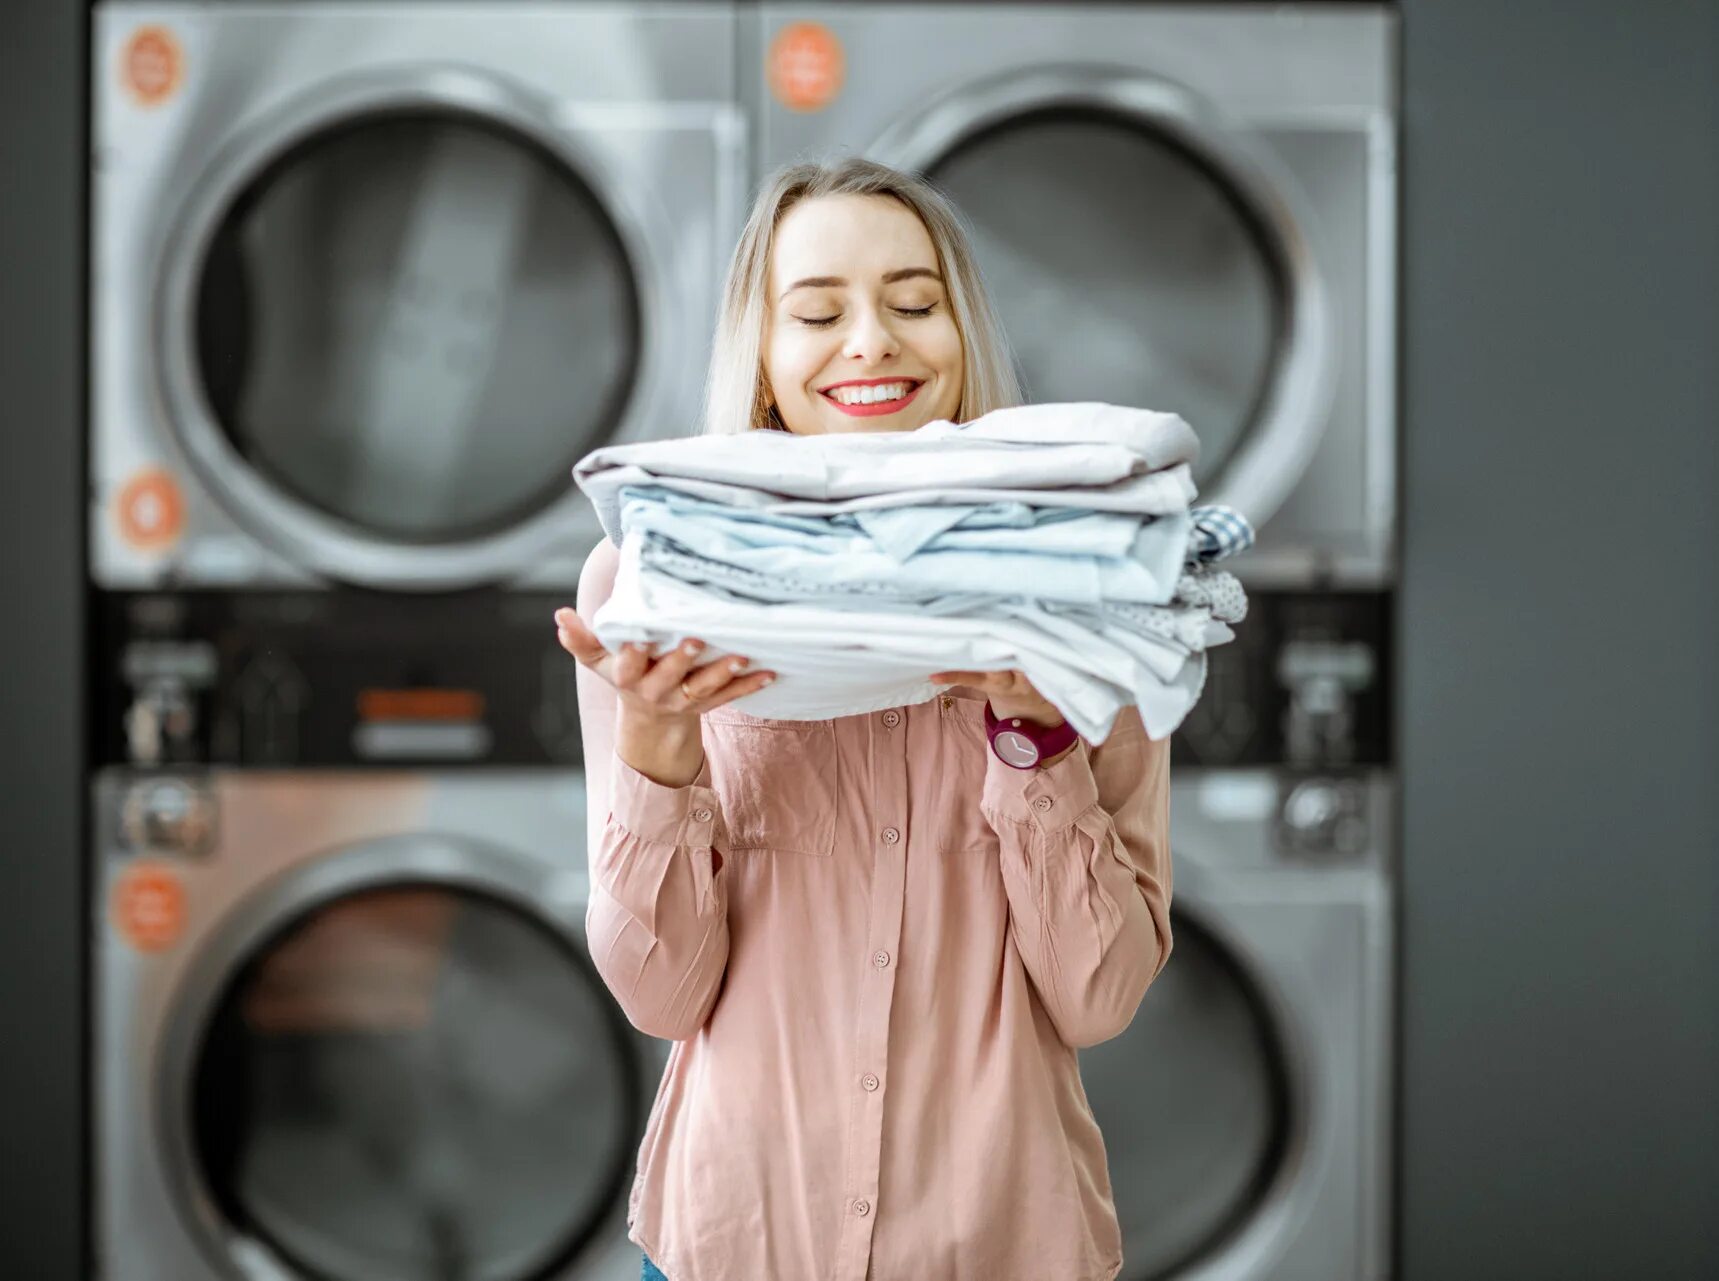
1010 694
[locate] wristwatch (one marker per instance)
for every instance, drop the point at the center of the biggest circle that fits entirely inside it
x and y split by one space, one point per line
1021 743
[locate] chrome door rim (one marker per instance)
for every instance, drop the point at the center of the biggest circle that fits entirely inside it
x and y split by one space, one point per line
1274 1207
1279 445
554 899
311 538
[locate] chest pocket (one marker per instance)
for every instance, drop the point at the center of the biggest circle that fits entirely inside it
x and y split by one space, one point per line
776 781
960 826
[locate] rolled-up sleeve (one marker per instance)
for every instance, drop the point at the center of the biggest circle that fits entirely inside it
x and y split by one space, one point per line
657 919
1085 849
657 922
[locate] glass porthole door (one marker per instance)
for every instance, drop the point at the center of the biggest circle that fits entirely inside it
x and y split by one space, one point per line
414 1082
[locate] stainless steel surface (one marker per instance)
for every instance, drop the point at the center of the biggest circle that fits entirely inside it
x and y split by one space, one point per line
1293 112
1315 938
635 105
290 842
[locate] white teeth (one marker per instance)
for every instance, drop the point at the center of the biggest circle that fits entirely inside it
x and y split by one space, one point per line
870 395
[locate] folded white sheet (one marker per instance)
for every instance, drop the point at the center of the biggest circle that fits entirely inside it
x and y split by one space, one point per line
845 656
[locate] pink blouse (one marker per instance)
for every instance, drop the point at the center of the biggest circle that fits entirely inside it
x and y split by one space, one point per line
876 948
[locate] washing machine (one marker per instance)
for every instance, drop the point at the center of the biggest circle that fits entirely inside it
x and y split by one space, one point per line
345 1021
1189 208
367 279
1246 1109
1193 208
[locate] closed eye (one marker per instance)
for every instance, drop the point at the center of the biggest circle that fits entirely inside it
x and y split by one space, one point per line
822 321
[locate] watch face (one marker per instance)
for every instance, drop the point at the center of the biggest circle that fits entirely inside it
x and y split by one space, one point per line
1016 749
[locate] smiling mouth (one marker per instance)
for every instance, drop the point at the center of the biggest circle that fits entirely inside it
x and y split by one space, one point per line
870 401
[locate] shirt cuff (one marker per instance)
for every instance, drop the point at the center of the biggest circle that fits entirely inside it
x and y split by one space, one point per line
1050 797
669 815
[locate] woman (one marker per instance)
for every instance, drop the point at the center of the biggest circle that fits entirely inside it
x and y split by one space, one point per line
875 945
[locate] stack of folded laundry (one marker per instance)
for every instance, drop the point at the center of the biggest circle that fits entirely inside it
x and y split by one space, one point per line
1054 539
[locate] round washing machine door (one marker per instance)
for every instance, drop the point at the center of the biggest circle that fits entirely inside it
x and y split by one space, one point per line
1140 252
1198 1105
393 318
402 1081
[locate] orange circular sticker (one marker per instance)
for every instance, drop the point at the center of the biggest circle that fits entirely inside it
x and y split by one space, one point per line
151 65
149 510
805 66
149 906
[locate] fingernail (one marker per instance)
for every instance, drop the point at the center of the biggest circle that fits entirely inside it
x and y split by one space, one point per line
691 647
736 664
768 679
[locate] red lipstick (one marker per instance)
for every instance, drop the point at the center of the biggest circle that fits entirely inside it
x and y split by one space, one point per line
874 410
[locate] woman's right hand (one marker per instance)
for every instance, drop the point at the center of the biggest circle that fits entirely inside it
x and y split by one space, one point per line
667 689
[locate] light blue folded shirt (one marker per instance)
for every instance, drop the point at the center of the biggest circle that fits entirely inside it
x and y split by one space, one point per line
1007 548
1200 588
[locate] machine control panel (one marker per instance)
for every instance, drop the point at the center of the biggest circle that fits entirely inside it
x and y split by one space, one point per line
340 678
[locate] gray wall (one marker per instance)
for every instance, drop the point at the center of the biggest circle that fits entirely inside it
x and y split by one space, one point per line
1561 826
1560 619
42 977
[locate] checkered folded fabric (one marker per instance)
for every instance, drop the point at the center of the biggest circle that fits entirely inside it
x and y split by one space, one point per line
1219 533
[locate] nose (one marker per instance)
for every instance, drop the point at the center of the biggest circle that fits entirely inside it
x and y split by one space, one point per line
870 339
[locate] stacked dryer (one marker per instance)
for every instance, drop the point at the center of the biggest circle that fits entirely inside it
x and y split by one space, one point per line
1194 209
366 280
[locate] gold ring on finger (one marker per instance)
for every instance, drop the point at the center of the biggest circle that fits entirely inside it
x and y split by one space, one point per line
687 693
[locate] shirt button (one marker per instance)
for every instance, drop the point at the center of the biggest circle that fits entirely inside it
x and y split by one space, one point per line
890 836
701 814
1042 803
862 1208
892 719
869 1081
880 959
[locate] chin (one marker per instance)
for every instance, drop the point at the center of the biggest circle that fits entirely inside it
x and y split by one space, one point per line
834 421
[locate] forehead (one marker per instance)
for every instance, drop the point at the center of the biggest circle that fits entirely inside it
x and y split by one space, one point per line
859 237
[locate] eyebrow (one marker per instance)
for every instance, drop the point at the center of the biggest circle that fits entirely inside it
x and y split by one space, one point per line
889 278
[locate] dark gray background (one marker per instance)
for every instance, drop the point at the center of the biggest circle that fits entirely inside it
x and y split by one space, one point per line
1560 623
42 969
1559 616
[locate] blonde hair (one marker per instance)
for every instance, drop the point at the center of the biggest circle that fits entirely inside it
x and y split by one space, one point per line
734 394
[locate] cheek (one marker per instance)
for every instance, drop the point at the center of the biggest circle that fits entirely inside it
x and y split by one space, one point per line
945 353
791 361
942 347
